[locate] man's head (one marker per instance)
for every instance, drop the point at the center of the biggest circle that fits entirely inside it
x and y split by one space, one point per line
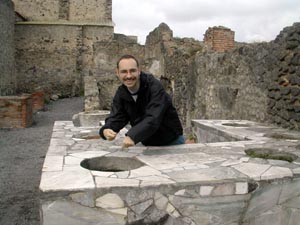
128 72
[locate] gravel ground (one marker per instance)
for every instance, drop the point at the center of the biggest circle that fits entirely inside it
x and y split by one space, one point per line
22 156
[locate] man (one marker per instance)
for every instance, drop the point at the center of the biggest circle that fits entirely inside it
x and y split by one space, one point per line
142 101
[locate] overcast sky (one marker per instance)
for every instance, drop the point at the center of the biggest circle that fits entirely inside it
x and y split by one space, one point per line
252 20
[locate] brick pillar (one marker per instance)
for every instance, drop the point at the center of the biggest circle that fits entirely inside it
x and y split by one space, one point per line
38 100
16 111
219 38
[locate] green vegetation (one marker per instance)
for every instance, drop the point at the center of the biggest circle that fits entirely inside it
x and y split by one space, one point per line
265 153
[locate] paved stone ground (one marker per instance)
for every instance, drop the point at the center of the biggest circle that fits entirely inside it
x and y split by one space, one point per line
22 153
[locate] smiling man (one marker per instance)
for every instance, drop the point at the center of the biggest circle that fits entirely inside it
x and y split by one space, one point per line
142 101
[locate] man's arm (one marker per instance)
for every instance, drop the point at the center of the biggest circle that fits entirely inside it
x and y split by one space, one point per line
154 113
115 121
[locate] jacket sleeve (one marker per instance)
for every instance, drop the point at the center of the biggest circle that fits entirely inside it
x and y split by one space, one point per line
159 102
117 118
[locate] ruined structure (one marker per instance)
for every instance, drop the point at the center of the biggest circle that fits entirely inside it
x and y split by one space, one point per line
258 81
54 46
61 49
15 111
219 38
8 81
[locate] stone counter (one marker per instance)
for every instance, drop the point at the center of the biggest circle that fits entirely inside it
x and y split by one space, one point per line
86 180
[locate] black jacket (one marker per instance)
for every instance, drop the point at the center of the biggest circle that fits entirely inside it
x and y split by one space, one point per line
153 118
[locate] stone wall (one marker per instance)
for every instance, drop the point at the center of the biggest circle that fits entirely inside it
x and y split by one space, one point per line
217 79
284 93
48 57
72 10
55 45
92 10
170 59
257 82
241 83
102 82
7 49
36 10
233 85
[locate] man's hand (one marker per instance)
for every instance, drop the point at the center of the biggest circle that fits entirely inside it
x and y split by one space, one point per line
127 142
109 134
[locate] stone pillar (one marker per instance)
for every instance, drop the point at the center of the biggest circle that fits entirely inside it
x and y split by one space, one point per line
219 38
7 49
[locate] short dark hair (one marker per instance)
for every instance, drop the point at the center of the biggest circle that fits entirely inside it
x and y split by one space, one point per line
128 57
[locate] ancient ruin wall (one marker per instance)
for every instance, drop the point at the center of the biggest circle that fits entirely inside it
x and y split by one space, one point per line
55 47
102 82
259 82
284 93
47 58
252 81
71 10
92 10
232 85
7 49
36 10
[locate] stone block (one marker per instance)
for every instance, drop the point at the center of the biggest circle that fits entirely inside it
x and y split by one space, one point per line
252 170
206 190
16 111
62 212
290 190
67 180
274 216
294 217
223 189
276 172
89 119
109 201
84 198
211 210
34 10
98 11
293 203
263 199
241 188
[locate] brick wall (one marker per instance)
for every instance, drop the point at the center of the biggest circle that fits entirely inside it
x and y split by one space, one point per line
219 38
38 100
16 111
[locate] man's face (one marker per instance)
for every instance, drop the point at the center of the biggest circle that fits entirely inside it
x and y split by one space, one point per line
129 74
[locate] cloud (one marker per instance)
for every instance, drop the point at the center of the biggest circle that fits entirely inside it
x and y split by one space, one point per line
255 20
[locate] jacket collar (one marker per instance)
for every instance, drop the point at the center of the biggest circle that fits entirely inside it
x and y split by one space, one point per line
125 94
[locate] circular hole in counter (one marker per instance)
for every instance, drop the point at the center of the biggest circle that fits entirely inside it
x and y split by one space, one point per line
268 153
111 164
